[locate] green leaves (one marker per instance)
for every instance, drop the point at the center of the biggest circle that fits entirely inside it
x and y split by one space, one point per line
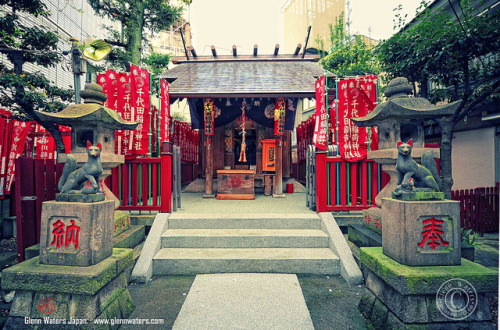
348 55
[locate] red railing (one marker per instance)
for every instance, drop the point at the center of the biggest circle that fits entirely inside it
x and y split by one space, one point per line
305 132
186 138
144 184
478 208
347 186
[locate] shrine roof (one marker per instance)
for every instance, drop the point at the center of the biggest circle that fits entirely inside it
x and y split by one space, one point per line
243 77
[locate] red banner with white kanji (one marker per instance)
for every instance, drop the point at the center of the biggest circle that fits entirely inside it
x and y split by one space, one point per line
164 111
320 127
279 116
140 110
357 96
19 134
124 139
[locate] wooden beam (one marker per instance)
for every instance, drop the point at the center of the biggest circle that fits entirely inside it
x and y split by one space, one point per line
297 50
276 49
255 49
307 40
193 52
214 52
234 51
231 58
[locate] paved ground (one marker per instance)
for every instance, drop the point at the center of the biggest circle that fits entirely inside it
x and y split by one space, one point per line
331 302
244 301
292 203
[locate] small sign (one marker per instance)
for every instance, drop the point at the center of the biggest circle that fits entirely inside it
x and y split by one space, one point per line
279 117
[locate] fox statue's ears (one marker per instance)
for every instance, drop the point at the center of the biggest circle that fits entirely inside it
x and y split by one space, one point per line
410 142
89 145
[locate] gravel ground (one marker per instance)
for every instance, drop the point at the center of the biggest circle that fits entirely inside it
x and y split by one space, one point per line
8 245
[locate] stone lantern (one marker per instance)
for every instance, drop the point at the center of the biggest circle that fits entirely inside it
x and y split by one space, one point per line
91 121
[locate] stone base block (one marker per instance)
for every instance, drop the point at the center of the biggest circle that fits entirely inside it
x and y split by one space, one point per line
361 236
130 238
422 233
122 222
372 219
80 198
51 296
76 234
399 296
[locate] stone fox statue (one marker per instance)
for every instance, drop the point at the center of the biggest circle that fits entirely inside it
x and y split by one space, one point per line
425 176
73 180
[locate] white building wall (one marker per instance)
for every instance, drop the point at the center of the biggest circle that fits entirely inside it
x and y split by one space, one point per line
473 157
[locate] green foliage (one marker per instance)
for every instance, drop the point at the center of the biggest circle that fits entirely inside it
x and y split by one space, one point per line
136 17
469 237
23 92
348 54
157 63
177 116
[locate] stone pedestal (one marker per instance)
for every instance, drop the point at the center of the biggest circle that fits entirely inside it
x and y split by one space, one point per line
48 296
369 233
439 297
76 234
422 233
372 219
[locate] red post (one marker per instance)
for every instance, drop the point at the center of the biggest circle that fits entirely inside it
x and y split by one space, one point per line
364 185
166 177
321 182
343 184
125 182
354 184
333 183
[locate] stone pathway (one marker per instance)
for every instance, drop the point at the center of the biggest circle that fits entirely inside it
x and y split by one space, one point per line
244 301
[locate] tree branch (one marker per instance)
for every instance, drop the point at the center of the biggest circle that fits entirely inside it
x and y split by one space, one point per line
467 109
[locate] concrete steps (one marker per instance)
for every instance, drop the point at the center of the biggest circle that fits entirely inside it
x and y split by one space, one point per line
253 260
250 243
244 238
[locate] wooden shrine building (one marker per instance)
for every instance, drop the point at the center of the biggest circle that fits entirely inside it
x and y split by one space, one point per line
254 82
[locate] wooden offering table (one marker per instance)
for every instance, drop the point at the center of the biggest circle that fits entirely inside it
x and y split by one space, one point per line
236 184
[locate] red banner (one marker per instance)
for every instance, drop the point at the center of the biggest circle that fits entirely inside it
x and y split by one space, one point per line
165 111
279 116
320 127
124 90
357 96
6 125
19 134
140 110
209 116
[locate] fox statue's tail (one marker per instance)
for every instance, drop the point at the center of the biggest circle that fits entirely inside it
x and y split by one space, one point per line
69 168
430 164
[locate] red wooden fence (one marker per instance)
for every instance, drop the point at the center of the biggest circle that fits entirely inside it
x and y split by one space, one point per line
142 184
478 208
35 182
347 186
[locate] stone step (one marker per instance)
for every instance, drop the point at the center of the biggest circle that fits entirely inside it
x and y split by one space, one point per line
244 221
181 261
130 238
245 238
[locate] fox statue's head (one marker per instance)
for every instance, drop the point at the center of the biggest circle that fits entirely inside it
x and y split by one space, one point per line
405 148
93 151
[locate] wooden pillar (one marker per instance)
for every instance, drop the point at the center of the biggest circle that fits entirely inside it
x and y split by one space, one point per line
261 135
287 160
267 185
278 177
228 145
209 191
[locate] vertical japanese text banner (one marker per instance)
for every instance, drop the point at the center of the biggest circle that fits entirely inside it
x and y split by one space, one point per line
124 103
164 111
279 117
19 134
141 107
355 100
209 116
320 127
